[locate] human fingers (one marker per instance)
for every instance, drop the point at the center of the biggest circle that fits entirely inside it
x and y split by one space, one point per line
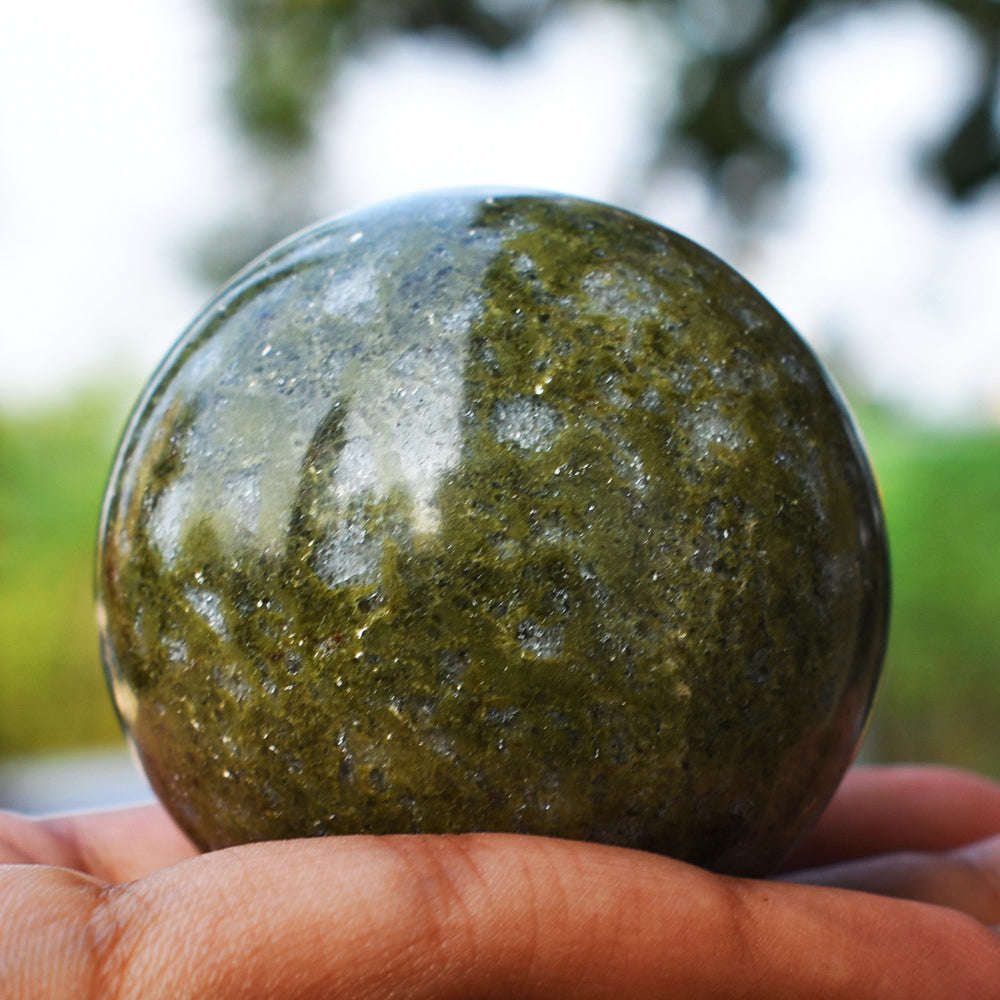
485 916
881 810
877 810
966 878
114 845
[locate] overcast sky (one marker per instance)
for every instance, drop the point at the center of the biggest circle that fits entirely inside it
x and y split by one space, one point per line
115 163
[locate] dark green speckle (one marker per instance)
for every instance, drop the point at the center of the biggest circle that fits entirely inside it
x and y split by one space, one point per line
514 513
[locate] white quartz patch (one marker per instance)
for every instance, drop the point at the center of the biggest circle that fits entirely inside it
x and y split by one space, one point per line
528 422
167 521
353 293
621 293
208 605
349 554
545 642
709 426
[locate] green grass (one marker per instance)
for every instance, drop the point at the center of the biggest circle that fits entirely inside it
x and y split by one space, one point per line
53 466
940 697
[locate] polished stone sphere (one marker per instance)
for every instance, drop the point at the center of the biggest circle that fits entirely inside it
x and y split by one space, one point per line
502 513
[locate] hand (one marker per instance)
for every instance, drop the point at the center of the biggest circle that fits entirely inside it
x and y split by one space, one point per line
119 904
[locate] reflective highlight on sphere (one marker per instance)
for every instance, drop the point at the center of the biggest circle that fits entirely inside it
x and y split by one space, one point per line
494 513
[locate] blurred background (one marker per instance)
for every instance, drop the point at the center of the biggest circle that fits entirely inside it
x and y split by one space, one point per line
844 156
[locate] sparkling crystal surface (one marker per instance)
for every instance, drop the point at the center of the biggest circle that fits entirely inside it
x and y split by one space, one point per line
494 513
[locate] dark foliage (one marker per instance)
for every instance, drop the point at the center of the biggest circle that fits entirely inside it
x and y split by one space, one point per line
287 52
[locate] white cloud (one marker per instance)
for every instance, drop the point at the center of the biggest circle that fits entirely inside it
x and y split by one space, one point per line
110 160
866 258
564 112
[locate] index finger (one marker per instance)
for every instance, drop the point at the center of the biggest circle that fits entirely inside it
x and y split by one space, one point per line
480 915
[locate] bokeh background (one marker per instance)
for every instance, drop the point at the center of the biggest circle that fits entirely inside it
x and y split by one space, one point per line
844 156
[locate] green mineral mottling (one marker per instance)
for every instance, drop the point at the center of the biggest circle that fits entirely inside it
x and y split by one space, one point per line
515 513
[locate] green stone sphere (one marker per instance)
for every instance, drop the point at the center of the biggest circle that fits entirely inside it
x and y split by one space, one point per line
508 512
